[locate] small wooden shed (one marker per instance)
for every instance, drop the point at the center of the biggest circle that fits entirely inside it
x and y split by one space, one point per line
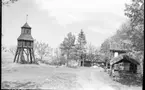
124 63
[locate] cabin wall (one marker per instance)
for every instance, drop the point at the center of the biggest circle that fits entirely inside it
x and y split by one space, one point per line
139 69
126 66
25 31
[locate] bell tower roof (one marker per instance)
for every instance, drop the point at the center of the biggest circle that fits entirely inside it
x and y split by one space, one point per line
26 26
25 37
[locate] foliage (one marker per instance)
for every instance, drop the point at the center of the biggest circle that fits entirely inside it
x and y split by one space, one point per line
81 43
91 51
99 56
73 64
58 61
58 58
42 49
135 11
81 39
67 45
132 37
7 2
105 49
72 50
12 50
121 37
3 48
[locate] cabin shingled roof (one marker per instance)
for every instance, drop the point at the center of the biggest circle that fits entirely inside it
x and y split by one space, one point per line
120 57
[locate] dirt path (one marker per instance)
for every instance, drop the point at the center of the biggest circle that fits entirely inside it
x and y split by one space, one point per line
97 79
90 80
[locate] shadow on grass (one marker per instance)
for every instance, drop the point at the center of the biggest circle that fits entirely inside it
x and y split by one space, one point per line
130 80
18 85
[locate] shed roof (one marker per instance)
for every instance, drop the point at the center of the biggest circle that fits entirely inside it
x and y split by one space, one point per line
25 37
118 46
26 26
119 50
123 56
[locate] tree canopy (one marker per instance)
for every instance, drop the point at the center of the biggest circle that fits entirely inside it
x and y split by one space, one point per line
7 2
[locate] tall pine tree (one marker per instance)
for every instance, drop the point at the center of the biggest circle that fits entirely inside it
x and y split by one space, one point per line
81 42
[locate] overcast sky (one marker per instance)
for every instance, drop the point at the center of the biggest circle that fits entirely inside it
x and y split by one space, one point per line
52 20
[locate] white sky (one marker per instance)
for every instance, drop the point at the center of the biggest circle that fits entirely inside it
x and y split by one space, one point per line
51 20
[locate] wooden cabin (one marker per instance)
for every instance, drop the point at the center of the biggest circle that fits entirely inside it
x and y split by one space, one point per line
125 64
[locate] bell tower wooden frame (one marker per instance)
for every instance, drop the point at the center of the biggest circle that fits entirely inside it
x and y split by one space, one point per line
25 46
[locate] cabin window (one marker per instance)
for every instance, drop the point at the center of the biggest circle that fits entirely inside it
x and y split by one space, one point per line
27 32
24 31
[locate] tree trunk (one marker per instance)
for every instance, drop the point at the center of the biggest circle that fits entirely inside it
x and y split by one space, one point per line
41 57
67 58
83 61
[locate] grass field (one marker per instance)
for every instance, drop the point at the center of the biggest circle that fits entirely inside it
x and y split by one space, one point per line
29 76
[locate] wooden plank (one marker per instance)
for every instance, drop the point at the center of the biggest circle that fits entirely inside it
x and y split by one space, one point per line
27 54
33 55
30 56
16 55
19 52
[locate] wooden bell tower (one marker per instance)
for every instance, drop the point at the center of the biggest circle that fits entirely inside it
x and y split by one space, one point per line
25 51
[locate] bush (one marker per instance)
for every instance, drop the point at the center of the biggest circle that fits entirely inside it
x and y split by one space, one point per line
73 64
25 62
58 61
37 61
